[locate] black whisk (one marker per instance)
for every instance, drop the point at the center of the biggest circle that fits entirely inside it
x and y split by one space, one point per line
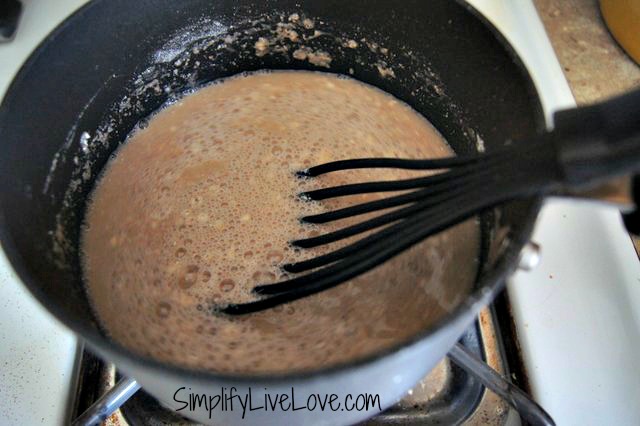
588 145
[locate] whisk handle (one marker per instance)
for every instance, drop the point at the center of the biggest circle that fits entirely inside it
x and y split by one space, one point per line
616 118
599 141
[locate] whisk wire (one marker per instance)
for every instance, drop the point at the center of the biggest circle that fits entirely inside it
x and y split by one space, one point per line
399 185
394 163
432 184
427 199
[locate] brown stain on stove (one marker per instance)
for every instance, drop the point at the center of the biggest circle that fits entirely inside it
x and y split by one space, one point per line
492 409
113 420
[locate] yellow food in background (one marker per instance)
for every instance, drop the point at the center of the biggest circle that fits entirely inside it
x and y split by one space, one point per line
623 19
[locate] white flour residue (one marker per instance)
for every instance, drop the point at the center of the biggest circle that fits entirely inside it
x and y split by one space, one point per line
52 168
384 70
185 37
318 58
351 44
61 153
479 143
261 46
84 142
297 30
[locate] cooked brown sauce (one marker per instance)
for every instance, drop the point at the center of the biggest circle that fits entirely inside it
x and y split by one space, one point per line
198 207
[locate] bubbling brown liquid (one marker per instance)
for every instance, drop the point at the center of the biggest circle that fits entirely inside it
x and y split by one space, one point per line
197 208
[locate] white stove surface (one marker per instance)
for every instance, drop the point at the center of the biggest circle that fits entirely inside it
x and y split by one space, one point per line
37 355
577 314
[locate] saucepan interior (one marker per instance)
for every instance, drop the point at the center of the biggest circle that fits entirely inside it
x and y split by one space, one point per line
115 62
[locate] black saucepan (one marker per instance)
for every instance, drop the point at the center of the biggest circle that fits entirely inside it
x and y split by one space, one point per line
114 62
